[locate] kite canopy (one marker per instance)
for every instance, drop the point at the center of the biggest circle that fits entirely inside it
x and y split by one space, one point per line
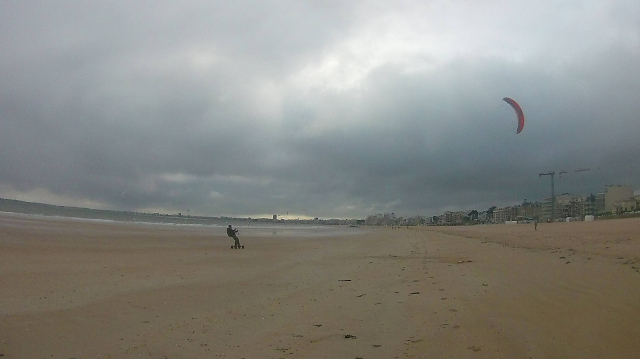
519 113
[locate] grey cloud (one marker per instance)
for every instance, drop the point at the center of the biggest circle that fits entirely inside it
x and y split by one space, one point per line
103 99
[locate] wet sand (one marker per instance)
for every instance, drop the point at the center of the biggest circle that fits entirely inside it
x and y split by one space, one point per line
73 289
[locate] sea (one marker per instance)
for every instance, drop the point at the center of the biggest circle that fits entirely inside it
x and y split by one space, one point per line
246 227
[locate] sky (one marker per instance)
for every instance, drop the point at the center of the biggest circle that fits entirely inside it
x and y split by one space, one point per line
329 109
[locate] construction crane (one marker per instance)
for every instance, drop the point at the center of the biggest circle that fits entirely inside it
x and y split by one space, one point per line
553 193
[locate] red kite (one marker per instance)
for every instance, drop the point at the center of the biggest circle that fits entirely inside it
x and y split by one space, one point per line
519 113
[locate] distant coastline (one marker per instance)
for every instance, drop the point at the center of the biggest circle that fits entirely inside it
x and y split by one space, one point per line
16 206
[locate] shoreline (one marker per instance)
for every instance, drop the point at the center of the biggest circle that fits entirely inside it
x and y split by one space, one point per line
251 229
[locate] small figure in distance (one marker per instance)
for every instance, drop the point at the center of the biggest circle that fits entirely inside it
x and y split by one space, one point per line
233 233
535 224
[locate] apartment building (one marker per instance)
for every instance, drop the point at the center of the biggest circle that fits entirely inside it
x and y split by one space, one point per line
567 205
528 210
503 214
452 218
612 194
630 205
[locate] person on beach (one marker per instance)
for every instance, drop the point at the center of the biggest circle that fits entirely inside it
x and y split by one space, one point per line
233 233
535 225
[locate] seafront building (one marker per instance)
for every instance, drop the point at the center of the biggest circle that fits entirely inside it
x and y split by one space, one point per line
614 199
503 214
629 205
528 210
453 218
611 195
567 205
387 219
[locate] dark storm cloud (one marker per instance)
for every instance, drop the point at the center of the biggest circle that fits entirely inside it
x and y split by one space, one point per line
231 108
581 118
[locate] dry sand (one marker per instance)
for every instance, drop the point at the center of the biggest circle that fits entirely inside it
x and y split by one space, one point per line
78 289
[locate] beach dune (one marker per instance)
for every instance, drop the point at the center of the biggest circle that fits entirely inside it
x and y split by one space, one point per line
89 289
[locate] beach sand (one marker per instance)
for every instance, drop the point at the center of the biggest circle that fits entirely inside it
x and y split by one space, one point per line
86 289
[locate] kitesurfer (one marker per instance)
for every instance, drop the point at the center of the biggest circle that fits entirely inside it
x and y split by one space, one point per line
233 233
